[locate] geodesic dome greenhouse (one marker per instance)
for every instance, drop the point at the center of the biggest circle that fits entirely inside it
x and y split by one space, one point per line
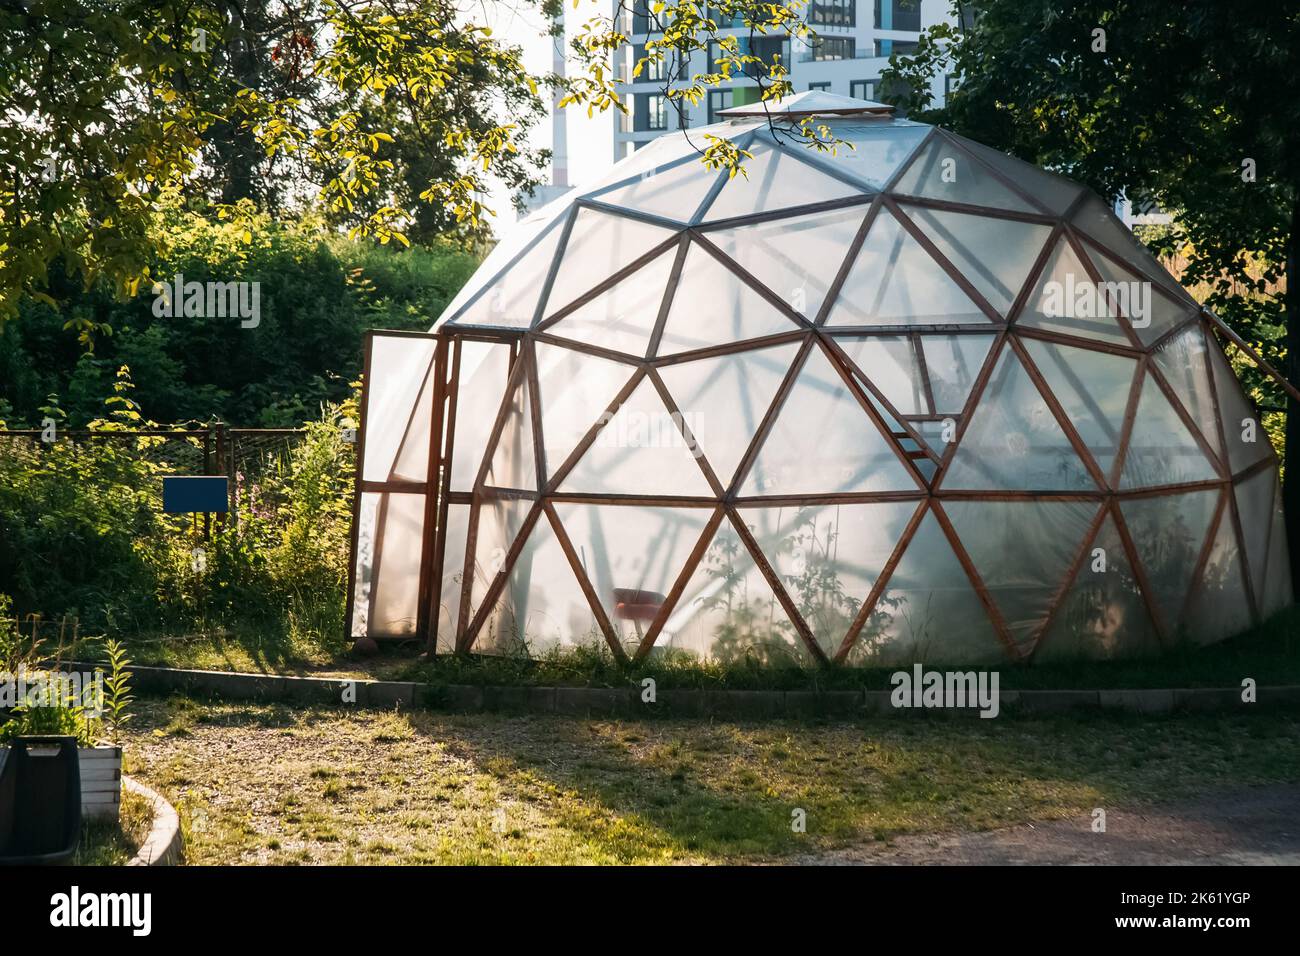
913 400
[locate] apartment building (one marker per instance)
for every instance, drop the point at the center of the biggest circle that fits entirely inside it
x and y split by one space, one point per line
854 43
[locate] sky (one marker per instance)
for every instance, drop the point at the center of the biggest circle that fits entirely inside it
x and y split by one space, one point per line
591 146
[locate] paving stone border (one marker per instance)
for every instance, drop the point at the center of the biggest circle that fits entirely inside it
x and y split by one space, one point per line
163 846
627 702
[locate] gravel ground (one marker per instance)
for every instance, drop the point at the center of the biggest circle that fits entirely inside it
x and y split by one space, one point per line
1252 827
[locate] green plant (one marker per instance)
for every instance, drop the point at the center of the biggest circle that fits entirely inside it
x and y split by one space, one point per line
117 687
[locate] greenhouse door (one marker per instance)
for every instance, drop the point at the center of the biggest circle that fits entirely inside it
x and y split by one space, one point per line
394 508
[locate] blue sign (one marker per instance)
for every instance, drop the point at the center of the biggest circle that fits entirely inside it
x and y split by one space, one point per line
186 495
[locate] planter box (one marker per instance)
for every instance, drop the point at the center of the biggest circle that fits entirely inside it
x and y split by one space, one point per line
101 782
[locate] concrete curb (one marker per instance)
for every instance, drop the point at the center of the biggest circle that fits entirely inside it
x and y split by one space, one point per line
163 845
669 702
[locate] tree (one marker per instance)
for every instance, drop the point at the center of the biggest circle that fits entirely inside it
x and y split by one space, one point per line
387 116
240 104
1193 105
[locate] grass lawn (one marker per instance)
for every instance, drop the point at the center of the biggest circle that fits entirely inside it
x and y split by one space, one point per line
270 784
114 844
1270 654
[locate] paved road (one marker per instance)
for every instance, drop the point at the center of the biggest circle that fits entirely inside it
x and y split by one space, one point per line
1244 827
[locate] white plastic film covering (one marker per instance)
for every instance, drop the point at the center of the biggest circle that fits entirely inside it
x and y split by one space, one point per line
823 439
398 404
1104 615
632 555
729 613
966 360
484 374
894 281
928 611
943 170
1014 442
796 258
394 592
829 557
1023 551
1169 532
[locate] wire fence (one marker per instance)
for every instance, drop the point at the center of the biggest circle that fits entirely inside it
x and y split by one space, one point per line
243 455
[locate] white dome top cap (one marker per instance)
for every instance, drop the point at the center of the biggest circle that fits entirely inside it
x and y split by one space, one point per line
810 103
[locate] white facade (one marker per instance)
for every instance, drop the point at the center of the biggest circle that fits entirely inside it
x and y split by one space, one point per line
859 34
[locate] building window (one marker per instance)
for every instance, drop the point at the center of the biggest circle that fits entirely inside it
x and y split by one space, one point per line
769 50
833 13
901 47
830 48
656 112
649 113
826 86
863 89
737 18
640 16
898 15
718 100
653 69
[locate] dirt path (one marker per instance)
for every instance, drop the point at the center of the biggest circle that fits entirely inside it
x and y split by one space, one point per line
1259 826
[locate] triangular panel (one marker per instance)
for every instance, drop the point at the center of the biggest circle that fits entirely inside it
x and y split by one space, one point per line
729 613
500 521
1243 427
510 301
1103 615
1095 219
953 362
1150 311
1022 551
1184 363
542 607
632 555
1014 442
576 388
714 306
1052 192
1092 389
1066 300
773 179
828 557
723 399
513 463
672 192
944 171
823 442
995 255
1219 604
507 249
796 258
622 318
1161 449
1254 496
928 611
875 154
894 281
641 450
1169 532
599 245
